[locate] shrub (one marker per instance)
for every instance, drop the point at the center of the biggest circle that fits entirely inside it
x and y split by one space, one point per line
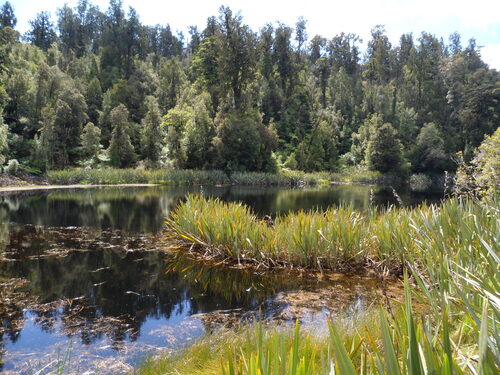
12 167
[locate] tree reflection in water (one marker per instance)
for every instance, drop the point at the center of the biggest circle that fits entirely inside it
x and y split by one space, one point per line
89 265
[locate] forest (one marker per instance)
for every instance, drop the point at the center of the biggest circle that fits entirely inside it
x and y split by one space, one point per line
95 88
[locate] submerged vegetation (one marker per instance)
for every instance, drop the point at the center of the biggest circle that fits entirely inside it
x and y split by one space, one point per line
450 252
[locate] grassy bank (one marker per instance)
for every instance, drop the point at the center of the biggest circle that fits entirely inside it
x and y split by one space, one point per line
449 251
183 177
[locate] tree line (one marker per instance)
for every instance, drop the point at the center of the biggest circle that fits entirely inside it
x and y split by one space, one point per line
100 88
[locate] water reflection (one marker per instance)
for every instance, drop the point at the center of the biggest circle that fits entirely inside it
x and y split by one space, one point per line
108 289
87 266
142 210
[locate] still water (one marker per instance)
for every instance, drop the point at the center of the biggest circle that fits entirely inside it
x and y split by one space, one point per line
84 281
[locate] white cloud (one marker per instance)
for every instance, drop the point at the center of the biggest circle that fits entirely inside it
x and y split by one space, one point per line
491 55
326 17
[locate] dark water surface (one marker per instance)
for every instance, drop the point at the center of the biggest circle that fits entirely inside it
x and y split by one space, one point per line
83 272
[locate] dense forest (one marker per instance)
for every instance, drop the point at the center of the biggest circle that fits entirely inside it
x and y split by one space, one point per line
93 88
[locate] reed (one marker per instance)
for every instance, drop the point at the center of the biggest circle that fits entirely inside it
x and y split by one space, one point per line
408 342
111 176
394 238
449 254
307 239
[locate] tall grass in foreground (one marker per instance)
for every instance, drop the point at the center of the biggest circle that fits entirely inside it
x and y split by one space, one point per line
451 252
113 176
384 344
387 346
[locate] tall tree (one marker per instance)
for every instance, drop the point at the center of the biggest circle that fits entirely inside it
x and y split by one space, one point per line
300 34
237 60
7 16
430 155
121 151
151 137
199 134
94 98
384 152
378 67
91 141
70 115
42 33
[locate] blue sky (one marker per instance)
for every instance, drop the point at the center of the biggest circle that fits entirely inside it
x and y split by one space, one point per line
479 19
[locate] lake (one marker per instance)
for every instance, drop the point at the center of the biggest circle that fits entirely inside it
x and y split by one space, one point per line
88 280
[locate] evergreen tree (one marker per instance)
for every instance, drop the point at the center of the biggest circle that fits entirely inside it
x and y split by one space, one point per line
94 99
361 139
69 117
172 80
199 134
237 58
235 152
384 152
487 164
151 137
430 155
176 122
91 141
121 151
42 32
7 16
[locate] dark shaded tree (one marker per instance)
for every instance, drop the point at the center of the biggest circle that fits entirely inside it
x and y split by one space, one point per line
121 151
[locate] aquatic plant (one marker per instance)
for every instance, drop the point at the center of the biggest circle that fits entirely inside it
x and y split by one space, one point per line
183 177
393 238
408 341
450 252
308 239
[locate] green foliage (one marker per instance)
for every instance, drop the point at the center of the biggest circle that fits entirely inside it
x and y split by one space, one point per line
482 177
315 108
172 80
91 141
487 163
68 119
319 150
361 139
384 152
7 16
429 153
4 146
446 324
94 100
12 167
198 135
121 151
152 136
42 32
183 177
235 150
176 121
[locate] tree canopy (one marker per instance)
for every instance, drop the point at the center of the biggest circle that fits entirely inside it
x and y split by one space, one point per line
90 82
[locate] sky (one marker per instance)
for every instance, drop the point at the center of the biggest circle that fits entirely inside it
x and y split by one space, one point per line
479 19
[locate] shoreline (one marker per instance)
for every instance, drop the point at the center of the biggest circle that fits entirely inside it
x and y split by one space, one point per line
5 189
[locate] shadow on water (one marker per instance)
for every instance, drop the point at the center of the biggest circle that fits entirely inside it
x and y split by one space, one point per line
86 269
